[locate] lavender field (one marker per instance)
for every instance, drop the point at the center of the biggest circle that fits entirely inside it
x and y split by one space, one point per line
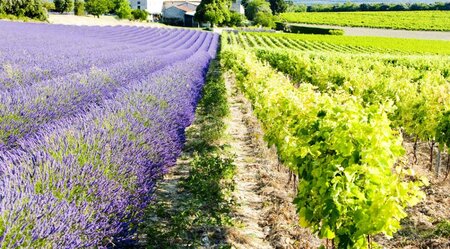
90 119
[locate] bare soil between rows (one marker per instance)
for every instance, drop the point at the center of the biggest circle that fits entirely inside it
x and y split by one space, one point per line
265 216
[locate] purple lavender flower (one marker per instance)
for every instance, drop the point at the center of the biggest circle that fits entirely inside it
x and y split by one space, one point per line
89 121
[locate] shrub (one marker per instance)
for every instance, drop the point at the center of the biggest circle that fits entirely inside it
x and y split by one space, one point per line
31 8
97 7
236 19
124 9
13 17
49 6
63 5
255 6
314 30
141 15
443 229
265 19
281 26
79 8
336 32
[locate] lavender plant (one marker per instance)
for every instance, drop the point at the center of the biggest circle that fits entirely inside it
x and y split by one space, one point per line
82 151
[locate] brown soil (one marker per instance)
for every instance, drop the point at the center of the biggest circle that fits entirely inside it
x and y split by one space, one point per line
266 193
265 211
419 228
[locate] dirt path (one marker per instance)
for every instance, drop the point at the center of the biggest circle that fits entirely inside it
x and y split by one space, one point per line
428 223
254 208
422 35
250 203
265 214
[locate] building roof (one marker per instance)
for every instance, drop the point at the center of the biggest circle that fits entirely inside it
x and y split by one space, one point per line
187 6
183 8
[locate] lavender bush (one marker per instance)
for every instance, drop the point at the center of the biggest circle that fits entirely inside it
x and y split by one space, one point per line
83 146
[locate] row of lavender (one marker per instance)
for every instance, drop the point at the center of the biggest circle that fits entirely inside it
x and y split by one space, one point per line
84 143
35 91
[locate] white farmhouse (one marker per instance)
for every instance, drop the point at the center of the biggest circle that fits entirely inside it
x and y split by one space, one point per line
176 12
237 7
181 14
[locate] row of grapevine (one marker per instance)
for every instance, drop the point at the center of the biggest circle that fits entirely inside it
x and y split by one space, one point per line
248 40
82 150
419 93
342 151
345 44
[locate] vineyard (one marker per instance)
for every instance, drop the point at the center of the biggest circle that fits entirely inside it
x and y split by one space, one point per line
88 124
137 137
349 44
338 116
409 20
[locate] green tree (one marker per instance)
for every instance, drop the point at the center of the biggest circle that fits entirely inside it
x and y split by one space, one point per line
63 5
236 19
296 7
79 7
123 9
97 7
139 15
50 6
213 11
278 6
24 8
265 19
255 6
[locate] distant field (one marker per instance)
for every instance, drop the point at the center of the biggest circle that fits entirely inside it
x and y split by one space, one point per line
410 20
383 44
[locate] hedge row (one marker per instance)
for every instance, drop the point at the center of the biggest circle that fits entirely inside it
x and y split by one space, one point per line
294 28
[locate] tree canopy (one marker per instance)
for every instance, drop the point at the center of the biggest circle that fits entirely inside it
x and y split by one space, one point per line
255 6
213 11
278 6
97 7
63 5
24 8
78 8
123 9
265 19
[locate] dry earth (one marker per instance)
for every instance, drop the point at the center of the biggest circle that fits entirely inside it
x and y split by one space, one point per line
418 228
265 216
264 192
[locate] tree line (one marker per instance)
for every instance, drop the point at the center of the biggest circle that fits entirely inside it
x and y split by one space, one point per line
24 8
349 6
257 12
121 8
38 9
